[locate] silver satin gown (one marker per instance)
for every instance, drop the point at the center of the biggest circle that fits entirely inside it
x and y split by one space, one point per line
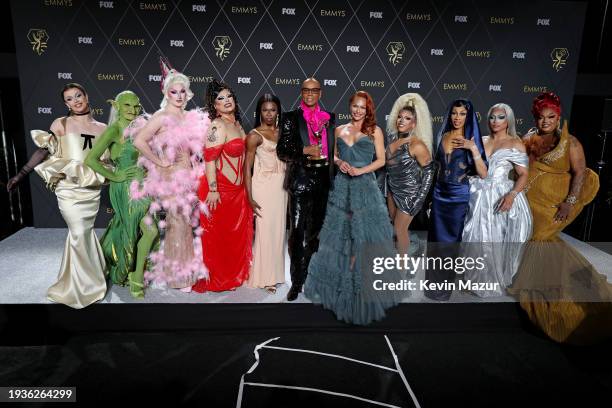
499 237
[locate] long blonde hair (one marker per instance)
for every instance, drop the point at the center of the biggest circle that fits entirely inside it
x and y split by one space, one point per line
413 101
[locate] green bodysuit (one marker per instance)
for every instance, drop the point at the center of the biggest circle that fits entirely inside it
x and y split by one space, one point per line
127 240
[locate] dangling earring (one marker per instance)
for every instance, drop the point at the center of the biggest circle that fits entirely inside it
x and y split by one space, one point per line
276 122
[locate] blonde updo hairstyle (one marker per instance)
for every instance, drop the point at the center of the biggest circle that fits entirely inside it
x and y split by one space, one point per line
175 77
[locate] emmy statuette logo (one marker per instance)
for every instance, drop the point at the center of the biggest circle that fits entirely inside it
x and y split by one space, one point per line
38 38
222 44
395 51
559 58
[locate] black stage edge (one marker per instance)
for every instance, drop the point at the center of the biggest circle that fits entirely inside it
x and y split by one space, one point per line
31 324
459 355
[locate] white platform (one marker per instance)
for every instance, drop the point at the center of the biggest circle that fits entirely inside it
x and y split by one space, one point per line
30 259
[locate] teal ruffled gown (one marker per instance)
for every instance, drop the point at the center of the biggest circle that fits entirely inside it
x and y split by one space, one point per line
356 232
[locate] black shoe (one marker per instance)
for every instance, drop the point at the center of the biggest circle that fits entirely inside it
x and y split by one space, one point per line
294 292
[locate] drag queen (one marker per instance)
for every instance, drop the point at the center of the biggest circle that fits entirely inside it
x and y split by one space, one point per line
558 288
228 228
356 226
127 240
59 161
171 142
306 144
498 221
459 155
409 168
268 198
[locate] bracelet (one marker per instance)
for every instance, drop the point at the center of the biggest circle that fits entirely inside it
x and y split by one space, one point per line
513 193
571 199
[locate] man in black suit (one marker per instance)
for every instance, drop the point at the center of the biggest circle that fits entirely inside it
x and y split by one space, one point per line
308 181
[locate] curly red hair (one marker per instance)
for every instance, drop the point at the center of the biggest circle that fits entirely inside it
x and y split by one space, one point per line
545 100
369 122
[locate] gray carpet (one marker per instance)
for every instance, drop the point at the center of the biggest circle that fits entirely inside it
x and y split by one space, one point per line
30 259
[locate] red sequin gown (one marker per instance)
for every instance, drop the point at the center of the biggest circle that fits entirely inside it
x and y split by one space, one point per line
228 230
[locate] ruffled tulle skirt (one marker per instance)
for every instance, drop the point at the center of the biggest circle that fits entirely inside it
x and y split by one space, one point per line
356 232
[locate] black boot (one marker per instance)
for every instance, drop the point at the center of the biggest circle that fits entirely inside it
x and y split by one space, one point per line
294 292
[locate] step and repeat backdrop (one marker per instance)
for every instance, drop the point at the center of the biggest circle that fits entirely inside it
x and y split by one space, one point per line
486 51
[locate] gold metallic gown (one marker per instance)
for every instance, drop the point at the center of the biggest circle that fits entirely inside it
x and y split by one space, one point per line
81 279
559 289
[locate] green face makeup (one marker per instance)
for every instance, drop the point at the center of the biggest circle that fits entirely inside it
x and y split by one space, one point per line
128 105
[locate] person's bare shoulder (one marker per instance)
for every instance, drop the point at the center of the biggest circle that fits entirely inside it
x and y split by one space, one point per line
519 145
574 142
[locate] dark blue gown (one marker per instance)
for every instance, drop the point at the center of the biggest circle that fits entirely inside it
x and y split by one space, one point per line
449 206
451 195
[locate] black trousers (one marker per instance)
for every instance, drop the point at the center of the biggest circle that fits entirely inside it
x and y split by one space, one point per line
307 210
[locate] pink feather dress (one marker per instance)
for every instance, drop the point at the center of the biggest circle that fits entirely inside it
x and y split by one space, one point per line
175 205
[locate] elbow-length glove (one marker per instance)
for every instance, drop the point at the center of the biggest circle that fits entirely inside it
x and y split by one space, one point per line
426 181
38 157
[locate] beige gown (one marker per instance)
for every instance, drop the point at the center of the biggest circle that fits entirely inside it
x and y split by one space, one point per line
81 280
269 247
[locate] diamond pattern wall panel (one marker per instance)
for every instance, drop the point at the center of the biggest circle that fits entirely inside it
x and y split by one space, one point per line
489 52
